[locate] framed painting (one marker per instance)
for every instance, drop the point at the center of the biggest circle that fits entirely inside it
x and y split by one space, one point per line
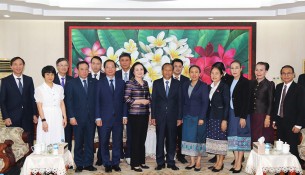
156 43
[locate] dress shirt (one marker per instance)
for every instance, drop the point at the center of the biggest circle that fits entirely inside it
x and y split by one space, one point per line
113 82
123 74
213 89
169 82
17 81
59 77
178 77
97 75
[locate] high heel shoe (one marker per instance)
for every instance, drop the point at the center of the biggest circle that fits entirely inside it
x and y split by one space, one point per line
238 171
190 167
197 169
137 169
211 167
231 169
217 170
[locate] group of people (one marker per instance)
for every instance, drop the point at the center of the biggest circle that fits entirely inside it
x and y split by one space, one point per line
191 117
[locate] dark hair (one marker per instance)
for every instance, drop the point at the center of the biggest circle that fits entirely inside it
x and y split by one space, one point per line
287 66
109 60
217 66
81 62
195 67
48 69
166 64
61 59
124 54
177 61
135 64
220 65
236 61
16 58
96 57
264 64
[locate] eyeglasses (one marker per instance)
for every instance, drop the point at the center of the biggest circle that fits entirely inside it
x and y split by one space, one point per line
287 74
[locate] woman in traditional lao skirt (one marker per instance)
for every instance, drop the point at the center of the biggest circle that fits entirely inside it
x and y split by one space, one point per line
195 96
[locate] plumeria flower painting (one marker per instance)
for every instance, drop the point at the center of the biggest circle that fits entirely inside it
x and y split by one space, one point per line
153 48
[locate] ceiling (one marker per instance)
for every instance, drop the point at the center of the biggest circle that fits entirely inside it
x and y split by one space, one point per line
152 9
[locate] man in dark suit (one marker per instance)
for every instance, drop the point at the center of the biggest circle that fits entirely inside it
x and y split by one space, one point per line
17 101
80 99
166 115
111 112
288 113
126 75
62 78
178 67
301 80
96 67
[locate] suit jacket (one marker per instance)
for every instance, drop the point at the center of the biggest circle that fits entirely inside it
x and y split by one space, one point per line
241 98
293 104
110 108
197 104
118 74
102 75
58 81
301 80
14 105
227 79
80 104
166 108
220 102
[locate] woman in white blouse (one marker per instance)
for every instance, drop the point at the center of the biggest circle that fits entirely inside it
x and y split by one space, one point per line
49 98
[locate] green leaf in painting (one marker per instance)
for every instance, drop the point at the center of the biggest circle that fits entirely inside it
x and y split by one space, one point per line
177 33
240 43
131 34
143 34
117 39
192 37
79 42
233 35
215 37
90 35
104 40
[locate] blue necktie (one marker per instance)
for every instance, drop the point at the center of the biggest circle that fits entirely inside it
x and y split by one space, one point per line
112 86
20 86
85 86
62 82
167 88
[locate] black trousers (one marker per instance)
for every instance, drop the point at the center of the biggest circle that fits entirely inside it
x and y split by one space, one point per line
139 126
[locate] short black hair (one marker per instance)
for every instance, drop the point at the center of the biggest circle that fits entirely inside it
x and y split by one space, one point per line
124 54
264 64
217 66
287 66
177 61
81 62
109 60
195 67
61 59
48 69
16 58
220 65
96 57
166 64
135 64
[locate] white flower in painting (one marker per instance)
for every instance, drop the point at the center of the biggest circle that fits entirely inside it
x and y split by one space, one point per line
186 67
153 72
174 52
179 43
144 47
134 56
188 52
111 55
159 41
130 46
157 58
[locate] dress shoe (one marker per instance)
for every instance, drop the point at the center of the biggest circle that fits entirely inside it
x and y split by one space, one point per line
116 168
160 167
137 169
79 169
197 169
90 168
128 161
144 166
173 167
238 171
98 163
213 160
181 159
108 169
211 167
231 169
243 159
190 167
217 170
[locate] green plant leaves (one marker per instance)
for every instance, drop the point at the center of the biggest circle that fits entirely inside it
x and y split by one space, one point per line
79 41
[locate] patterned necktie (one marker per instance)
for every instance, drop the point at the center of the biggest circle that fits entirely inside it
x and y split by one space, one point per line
112 86
62 82
167 88
85 86
20 86
95 75
282 102
125 77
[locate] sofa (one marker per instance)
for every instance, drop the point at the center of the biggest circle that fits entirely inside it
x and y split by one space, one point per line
13 147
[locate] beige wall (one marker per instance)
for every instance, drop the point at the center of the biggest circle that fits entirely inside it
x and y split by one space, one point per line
42 42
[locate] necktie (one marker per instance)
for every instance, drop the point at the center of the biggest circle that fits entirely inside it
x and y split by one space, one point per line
20 85
282 102
62 82
85 86
167 88
112 86
176 78
125 77
95 76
